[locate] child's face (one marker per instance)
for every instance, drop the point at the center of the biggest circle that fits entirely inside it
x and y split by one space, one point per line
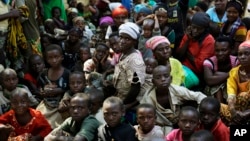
78 109
45 42
114 44
20 104
162 51
84 54
10 80
222 51
208 116
146 119
101 52
76 83
162 78
54 58
37 64
73 37
112 114
57 13
147 30
188 122
150 65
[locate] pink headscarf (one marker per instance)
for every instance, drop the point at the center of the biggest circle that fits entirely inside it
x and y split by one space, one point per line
245 44
107 19
153 42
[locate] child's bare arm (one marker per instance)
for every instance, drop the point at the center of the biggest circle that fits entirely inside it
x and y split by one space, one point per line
156 26
147 17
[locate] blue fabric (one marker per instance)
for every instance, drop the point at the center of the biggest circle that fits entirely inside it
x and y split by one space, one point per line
214 17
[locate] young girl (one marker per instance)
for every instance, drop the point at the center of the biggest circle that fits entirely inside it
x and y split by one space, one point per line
147 130
56 14
150 28
36 66
23 122
84 54
188 123
77 84
216 69
53 83
71 47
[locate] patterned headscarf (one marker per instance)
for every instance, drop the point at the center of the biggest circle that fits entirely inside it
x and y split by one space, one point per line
153 42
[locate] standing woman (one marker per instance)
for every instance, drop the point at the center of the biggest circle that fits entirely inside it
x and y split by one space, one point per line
234 27
130 71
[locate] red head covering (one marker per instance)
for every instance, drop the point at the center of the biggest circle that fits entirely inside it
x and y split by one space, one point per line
121 10
245 44
153 42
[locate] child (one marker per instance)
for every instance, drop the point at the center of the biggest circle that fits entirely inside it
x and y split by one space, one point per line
9 82
150 63
188 123
84 54
36 66
99 62
77 84
96 98
202 135
216 69
150 28
210 119
53 83
114 129
147 129
114 45
80 126
23 122
56 14
71 48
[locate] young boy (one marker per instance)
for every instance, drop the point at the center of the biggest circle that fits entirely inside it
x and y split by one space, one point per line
9 82
210 119
147 130
80 126
114 129
23 122
168 98
188 123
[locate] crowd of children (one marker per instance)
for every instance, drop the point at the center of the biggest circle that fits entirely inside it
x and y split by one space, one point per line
109 70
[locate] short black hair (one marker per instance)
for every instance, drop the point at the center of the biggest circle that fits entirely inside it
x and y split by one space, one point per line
225 39
190 108
146 105
98 94
212 101
115 100
203 135
54 8
53 47
84 96
78 72
102 44
114 34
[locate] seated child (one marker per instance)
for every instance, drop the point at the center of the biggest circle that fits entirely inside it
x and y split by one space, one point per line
147 130
9 82
23 122
56 13
80 126
84 54
96 99
210 119
77 84
114 129
202 135
188 123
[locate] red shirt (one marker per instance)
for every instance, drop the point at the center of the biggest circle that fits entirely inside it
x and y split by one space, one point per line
38 125
29 77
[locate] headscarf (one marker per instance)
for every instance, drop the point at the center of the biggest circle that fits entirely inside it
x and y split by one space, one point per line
153 42
107 19
114 5
201 19
78 18
131 29
72 10
160 7
236 4
245 44
141 8
121 10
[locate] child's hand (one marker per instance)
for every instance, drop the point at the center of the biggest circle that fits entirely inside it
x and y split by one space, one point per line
150 16
6 128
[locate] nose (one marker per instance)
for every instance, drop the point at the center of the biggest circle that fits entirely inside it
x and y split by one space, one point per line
163 78
187 124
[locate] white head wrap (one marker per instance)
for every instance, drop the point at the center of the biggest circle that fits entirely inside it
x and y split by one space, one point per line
131 29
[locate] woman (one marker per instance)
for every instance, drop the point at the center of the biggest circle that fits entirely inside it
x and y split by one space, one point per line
238 87
129 73
234 27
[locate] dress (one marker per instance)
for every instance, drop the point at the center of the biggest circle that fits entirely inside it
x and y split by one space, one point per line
167 117
155 133
88 127
38 125
124 71
48 106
